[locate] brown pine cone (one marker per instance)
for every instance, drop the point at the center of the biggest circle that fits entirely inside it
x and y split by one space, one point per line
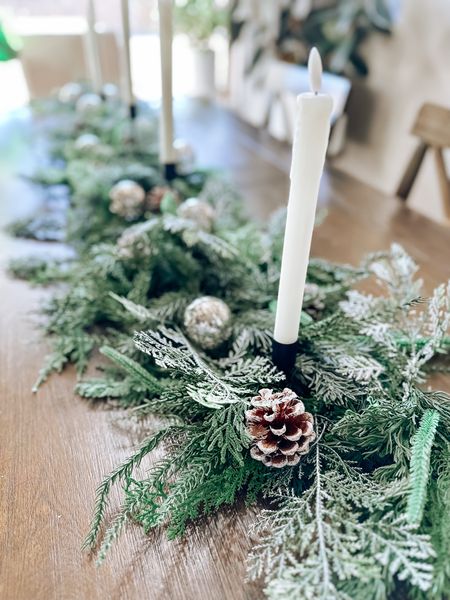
280 428
155 196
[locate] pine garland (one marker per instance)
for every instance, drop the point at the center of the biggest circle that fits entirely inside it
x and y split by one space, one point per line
175 262
83 177
340 526
364 514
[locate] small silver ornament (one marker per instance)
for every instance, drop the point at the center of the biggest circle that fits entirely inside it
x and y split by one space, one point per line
134 241
86 142
70 92
198 211
207 322
110 92
127 199
88 104
185 156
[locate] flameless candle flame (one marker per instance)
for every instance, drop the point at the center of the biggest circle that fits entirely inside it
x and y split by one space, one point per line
315 70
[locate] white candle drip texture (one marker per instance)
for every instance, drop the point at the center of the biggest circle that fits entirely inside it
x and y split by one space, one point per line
128 82
167 151
308 156
93 50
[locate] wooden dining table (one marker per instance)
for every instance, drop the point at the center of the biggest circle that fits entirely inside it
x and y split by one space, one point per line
55 447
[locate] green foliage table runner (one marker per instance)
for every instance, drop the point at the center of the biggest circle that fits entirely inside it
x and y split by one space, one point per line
179 294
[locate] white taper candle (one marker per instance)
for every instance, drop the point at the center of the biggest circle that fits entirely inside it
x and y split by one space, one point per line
93 55
311 135
128 82
167 152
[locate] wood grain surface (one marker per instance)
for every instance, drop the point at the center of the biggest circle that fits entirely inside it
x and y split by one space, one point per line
55 448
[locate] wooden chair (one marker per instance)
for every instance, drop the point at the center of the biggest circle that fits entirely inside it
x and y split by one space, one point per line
432 127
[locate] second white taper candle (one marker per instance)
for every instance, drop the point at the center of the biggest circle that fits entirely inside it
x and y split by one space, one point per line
93 49
167 151
128 82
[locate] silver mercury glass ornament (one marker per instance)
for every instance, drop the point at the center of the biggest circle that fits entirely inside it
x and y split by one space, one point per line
86 142
127 199
197 211
110 92
70 92
185 156
207 322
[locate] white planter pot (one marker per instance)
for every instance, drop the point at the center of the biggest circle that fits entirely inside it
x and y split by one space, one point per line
204 72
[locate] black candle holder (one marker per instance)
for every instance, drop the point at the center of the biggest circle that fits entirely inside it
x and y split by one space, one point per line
169 171
284 355
132 109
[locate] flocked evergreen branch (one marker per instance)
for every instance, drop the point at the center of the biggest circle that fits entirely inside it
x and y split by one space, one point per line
314 547
206 384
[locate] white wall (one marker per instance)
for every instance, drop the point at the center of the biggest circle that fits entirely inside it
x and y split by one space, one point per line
406 70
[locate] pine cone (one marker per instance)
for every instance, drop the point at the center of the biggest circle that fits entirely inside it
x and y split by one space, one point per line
155 196
280 428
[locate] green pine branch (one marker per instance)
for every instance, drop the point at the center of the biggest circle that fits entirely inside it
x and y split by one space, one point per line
120 474
149 381
420 466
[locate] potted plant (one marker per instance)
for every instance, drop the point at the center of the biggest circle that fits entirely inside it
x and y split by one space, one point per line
9 44
336 27
280 34
199 19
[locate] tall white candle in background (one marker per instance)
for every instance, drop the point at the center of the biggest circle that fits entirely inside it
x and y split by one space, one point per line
129 98
312 129
92 49
167 152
